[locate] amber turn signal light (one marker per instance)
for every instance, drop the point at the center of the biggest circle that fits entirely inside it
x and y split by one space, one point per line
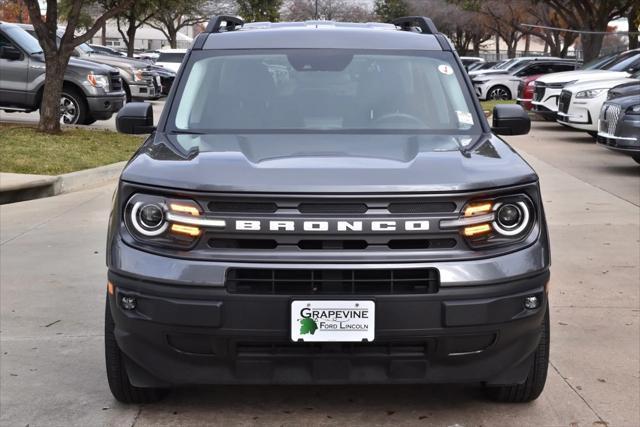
191 210
185 229
477 209
476 230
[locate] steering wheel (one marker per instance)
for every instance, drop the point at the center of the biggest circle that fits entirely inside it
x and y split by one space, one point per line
399 118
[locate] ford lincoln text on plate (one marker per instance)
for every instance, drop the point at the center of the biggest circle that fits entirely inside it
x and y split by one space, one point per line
325 203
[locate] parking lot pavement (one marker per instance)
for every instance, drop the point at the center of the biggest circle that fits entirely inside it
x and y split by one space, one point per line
100 124
52 288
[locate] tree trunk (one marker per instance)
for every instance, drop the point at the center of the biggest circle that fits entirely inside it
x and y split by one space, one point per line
497 47
632 19
173 37
131 37
103 36
527 44
50 105
476 46
591 45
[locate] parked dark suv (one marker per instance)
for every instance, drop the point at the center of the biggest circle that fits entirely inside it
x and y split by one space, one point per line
325 203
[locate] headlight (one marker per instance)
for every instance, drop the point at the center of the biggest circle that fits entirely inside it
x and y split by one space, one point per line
164 221
591 93
498 221
98 80
138 74
634 109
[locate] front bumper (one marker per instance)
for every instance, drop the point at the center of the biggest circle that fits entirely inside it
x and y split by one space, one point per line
188 329
525 103
103 107
626 139
146 89
544 111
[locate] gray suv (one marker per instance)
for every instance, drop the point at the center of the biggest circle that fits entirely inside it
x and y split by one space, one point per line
90 92
326 204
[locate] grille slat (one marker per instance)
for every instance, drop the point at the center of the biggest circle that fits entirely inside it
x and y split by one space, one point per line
564 101
539 90
332 282
609 118
115 82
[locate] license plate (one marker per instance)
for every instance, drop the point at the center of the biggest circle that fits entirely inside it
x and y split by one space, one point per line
333 321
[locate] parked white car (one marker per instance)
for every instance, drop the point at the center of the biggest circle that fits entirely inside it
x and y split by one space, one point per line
171 58
547 88
580 103
510 64
504 85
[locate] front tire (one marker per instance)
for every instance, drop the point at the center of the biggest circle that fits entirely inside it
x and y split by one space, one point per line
73 107
117 376
593 134
499 93
534 384
636 157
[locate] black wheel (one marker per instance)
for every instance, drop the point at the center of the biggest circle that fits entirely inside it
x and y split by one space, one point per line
593 134
119 383
73 107
534 384
499 93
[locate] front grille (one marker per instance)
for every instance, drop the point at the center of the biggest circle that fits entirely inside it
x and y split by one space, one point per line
609 117
115 82
539 90
332 282
413 349
564 101
418 243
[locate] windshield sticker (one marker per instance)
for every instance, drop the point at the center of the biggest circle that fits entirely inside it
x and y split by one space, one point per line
464 117
445 69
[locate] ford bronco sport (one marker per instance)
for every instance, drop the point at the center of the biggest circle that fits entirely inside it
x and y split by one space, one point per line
325 203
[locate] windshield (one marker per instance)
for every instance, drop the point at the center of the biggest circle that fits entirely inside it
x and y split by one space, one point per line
24 40
171 57
320 90
85 48
504 65
623 62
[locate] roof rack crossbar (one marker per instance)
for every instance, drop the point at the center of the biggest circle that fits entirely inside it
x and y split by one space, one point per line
231 22
407 23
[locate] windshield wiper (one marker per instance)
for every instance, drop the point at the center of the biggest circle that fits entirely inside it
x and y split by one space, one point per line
186 132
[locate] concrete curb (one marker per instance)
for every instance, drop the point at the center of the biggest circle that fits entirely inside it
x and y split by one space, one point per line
89 178
47 186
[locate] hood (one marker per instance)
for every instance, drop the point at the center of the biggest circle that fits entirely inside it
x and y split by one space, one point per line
629 87
483 72
116 61
331 164
97 68
596 84
570 76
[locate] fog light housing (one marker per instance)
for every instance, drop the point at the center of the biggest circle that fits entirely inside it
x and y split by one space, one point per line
128 303
531 302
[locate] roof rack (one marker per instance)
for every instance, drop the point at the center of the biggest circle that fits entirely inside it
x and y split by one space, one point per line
230 23
407 23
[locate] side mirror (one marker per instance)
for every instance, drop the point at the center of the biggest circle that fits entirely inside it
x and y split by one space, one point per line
510 119
10 53
135 118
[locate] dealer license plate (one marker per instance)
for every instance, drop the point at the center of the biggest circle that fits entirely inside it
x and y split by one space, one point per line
333 321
